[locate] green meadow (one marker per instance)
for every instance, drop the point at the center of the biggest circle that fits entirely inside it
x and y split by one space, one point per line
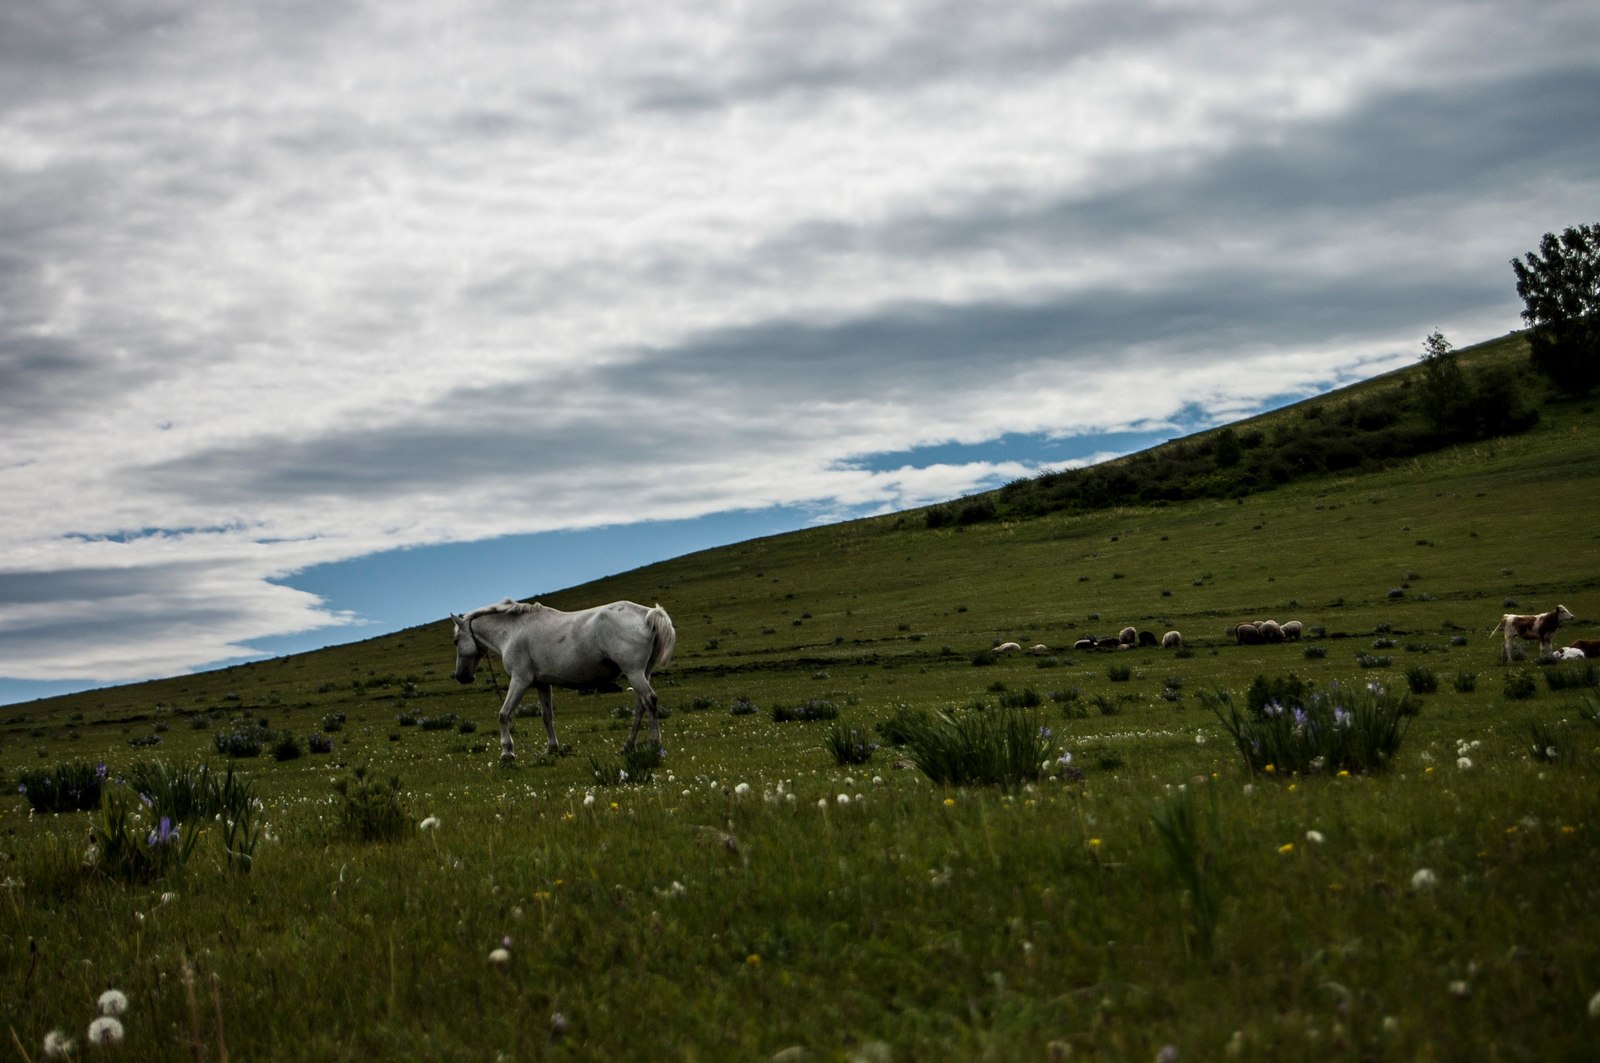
1146 892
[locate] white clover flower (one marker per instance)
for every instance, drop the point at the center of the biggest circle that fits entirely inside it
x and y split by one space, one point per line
1199 740
58 1045
742 789
1463 763
1424 879
1314 836
105 1032
500 957
1460 989
113 1002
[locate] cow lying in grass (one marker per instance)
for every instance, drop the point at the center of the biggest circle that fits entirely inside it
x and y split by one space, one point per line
1589 647
1540 627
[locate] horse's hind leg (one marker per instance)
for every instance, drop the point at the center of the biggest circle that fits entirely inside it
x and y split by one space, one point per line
644 698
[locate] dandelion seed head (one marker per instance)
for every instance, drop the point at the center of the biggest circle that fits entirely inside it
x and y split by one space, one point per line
113 1002
1314 837
742 789
500 957
1463 763
58 1045
105 1031
431 823
1424 879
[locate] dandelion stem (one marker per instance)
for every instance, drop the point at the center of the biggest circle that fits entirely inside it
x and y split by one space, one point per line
23 1052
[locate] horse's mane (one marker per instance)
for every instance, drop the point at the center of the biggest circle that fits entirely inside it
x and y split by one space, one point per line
509 606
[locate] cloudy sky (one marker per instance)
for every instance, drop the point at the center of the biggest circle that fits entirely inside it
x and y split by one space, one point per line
532 292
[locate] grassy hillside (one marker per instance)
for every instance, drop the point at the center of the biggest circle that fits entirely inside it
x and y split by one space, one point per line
860 911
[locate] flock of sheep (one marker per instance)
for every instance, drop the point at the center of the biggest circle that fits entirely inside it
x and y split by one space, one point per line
1539 627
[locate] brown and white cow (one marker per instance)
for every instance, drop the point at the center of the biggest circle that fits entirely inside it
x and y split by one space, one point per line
1540 627
1590 647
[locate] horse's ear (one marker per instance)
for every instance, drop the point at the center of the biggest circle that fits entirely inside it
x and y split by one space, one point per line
460 620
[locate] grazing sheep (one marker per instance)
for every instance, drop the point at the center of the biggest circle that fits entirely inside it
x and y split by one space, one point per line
1040 650
1590 647
1008 647
1128 636
1148 638
1108 643
1540 627
1172 641
1248 635
1270 631
1292 630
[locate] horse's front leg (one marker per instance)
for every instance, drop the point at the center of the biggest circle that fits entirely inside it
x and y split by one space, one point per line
514 691
548 709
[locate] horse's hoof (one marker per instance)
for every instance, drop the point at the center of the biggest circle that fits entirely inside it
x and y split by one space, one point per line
508 758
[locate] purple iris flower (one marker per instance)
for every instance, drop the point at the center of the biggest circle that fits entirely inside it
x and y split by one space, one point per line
164 834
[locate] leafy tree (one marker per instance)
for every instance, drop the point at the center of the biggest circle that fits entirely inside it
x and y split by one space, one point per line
1561 287
1444 391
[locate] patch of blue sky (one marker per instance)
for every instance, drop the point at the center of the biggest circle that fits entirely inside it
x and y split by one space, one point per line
400 588
135 534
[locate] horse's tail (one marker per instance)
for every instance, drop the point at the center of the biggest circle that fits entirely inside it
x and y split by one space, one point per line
663 637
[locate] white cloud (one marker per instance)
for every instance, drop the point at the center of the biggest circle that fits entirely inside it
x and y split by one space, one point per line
299 283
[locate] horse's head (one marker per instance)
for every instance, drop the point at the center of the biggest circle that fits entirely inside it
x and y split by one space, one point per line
468 650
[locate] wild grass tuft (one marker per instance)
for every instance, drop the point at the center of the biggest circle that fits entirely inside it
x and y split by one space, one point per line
805 712
1002 748
1421 680
1573 675
371 807
73 787
849 744
1345 728
636 764
901 723
1519 686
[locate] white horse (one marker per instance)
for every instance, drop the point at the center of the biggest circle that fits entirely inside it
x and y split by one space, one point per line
586 650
